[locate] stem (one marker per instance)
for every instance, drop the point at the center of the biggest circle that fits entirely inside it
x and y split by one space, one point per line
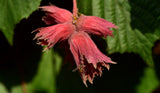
23 83
24 89
75 9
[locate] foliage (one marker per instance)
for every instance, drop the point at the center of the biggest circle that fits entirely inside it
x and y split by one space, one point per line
138 24
12 11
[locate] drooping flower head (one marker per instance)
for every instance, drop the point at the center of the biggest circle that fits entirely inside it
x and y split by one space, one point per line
75 29
88 58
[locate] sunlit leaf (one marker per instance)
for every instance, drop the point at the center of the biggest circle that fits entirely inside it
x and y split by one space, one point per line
12 11
17 89
126 38
3 89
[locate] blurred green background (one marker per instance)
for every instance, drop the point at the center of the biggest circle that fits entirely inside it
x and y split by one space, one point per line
24 68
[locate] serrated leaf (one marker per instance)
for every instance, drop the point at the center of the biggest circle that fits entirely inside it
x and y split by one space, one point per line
97 10
84 6
126 39
148 82
12 11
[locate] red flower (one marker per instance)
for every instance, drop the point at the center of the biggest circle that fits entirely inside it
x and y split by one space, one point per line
75 29
88 58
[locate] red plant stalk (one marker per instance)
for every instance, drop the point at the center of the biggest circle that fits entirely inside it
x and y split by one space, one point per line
75 9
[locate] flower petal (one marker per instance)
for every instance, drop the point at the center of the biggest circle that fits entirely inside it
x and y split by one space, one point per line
58 14
88 57
53 34
48 20
95 25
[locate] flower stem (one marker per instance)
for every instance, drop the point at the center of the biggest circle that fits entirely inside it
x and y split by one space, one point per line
75 9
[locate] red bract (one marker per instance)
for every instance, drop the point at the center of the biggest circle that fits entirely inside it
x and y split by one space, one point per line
53 34
89 60
95 25
59 15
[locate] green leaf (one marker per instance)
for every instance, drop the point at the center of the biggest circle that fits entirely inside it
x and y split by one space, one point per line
12 11
126 38
97 10
148 82
46 76
57 61
3 89
84 6
17 89
45 80
145 15
157 32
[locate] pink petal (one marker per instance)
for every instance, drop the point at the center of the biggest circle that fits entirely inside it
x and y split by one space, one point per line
95 25
53 34
88 58
49 20
58 14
